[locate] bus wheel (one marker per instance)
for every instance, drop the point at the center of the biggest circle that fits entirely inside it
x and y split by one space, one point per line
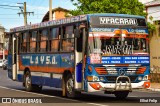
27 83
29 86
69 86
121 94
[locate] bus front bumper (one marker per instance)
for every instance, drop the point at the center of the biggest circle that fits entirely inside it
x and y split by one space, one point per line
100 86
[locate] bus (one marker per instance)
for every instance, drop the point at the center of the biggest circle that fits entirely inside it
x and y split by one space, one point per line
86 53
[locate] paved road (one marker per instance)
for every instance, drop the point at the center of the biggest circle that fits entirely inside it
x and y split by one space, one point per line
9 88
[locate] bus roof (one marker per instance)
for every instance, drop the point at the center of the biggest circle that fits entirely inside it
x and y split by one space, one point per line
70 20
115 15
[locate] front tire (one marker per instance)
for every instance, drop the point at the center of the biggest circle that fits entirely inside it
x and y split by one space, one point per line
121 94
69 87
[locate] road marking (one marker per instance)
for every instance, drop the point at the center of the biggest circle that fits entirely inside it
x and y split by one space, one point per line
36 93
97 104
146 91
132 96
51 96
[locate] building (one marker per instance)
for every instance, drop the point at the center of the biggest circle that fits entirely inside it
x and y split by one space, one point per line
2 29
153 16
153 11
57 13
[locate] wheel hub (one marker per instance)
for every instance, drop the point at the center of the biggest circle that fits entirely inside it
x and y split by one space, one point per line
70 85
28 81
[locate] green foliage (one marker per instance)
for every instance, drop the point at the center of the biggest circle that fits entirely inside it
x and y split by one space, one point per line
151 27
133 7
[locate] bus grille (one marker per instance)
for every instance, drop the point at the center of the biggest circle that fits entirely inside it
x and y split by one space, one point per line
113 79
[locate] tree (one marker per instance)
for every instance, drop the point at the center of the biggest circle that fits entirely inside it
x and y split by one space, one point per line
133 7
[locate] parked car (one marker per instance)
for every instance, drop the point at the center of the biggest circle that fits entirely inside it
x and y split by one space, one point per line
5 65
2 62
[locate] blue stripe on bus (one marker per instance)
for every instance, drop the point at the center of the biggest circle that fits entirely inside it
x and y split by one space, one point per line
79 72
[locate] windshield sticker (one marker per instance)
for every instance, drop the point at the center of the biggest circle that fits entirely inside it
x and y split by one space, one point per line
126 59
95 58
118 49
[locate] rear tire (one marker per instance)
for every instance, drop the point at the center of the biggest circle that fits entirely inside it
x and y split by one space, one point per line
121 94
28 84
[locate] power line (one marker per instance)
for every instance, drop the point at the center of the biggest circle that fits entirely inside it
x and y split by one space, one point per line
24 12
7 1
16 14
8 8
20 18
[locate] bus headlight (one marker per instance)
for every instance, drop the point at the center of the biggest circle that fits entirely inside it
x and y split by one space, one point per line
95 78
139 78
145 78
101 79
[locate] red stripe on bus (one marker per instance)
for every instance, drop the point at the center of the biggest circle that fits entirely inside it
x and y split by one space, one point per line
45 68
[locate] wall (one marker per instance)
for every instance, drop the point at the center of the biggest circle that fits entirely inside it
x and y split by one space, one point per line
59 14
154 12
1 41
155 55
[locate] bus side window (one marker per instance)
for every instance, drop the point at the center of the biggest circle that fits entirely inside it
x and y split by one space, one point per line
54 39
68 39
27 41
24 42
33 40
10 44
43 40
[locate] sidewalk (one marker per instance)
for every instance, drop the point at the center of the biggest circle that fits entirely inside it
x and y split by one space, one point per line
154 87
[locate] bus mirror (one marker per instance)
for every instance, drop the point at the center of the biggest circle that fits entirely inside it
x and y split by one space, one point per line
77 34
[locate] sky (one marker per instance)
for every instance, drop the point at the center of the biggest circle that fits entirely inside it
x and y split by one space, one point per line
145 1
9 17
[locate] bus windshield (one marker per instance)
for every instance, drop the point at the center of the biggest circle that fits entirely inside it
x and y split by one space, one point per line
110 44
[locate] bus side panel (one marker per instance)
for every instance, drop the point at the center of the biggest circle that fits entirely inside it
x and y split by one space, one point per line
46 69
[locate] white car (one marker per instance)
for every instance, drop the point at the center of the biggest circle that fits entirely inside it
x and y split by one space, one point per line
1 63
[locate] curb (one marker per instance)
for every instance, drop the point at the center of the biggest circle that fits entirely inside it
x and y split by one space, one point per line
154 89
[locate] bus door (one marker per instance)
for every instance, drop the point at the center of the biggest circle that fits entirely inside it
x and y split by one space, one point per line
79 57
15 56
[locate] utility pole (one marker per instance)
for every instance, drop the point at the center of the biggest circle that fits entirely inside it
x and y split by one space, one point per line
50 10
24 12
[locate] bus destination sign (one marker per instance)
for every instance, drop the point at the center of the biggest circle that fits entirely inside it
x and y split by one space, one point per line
118 21
102 21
